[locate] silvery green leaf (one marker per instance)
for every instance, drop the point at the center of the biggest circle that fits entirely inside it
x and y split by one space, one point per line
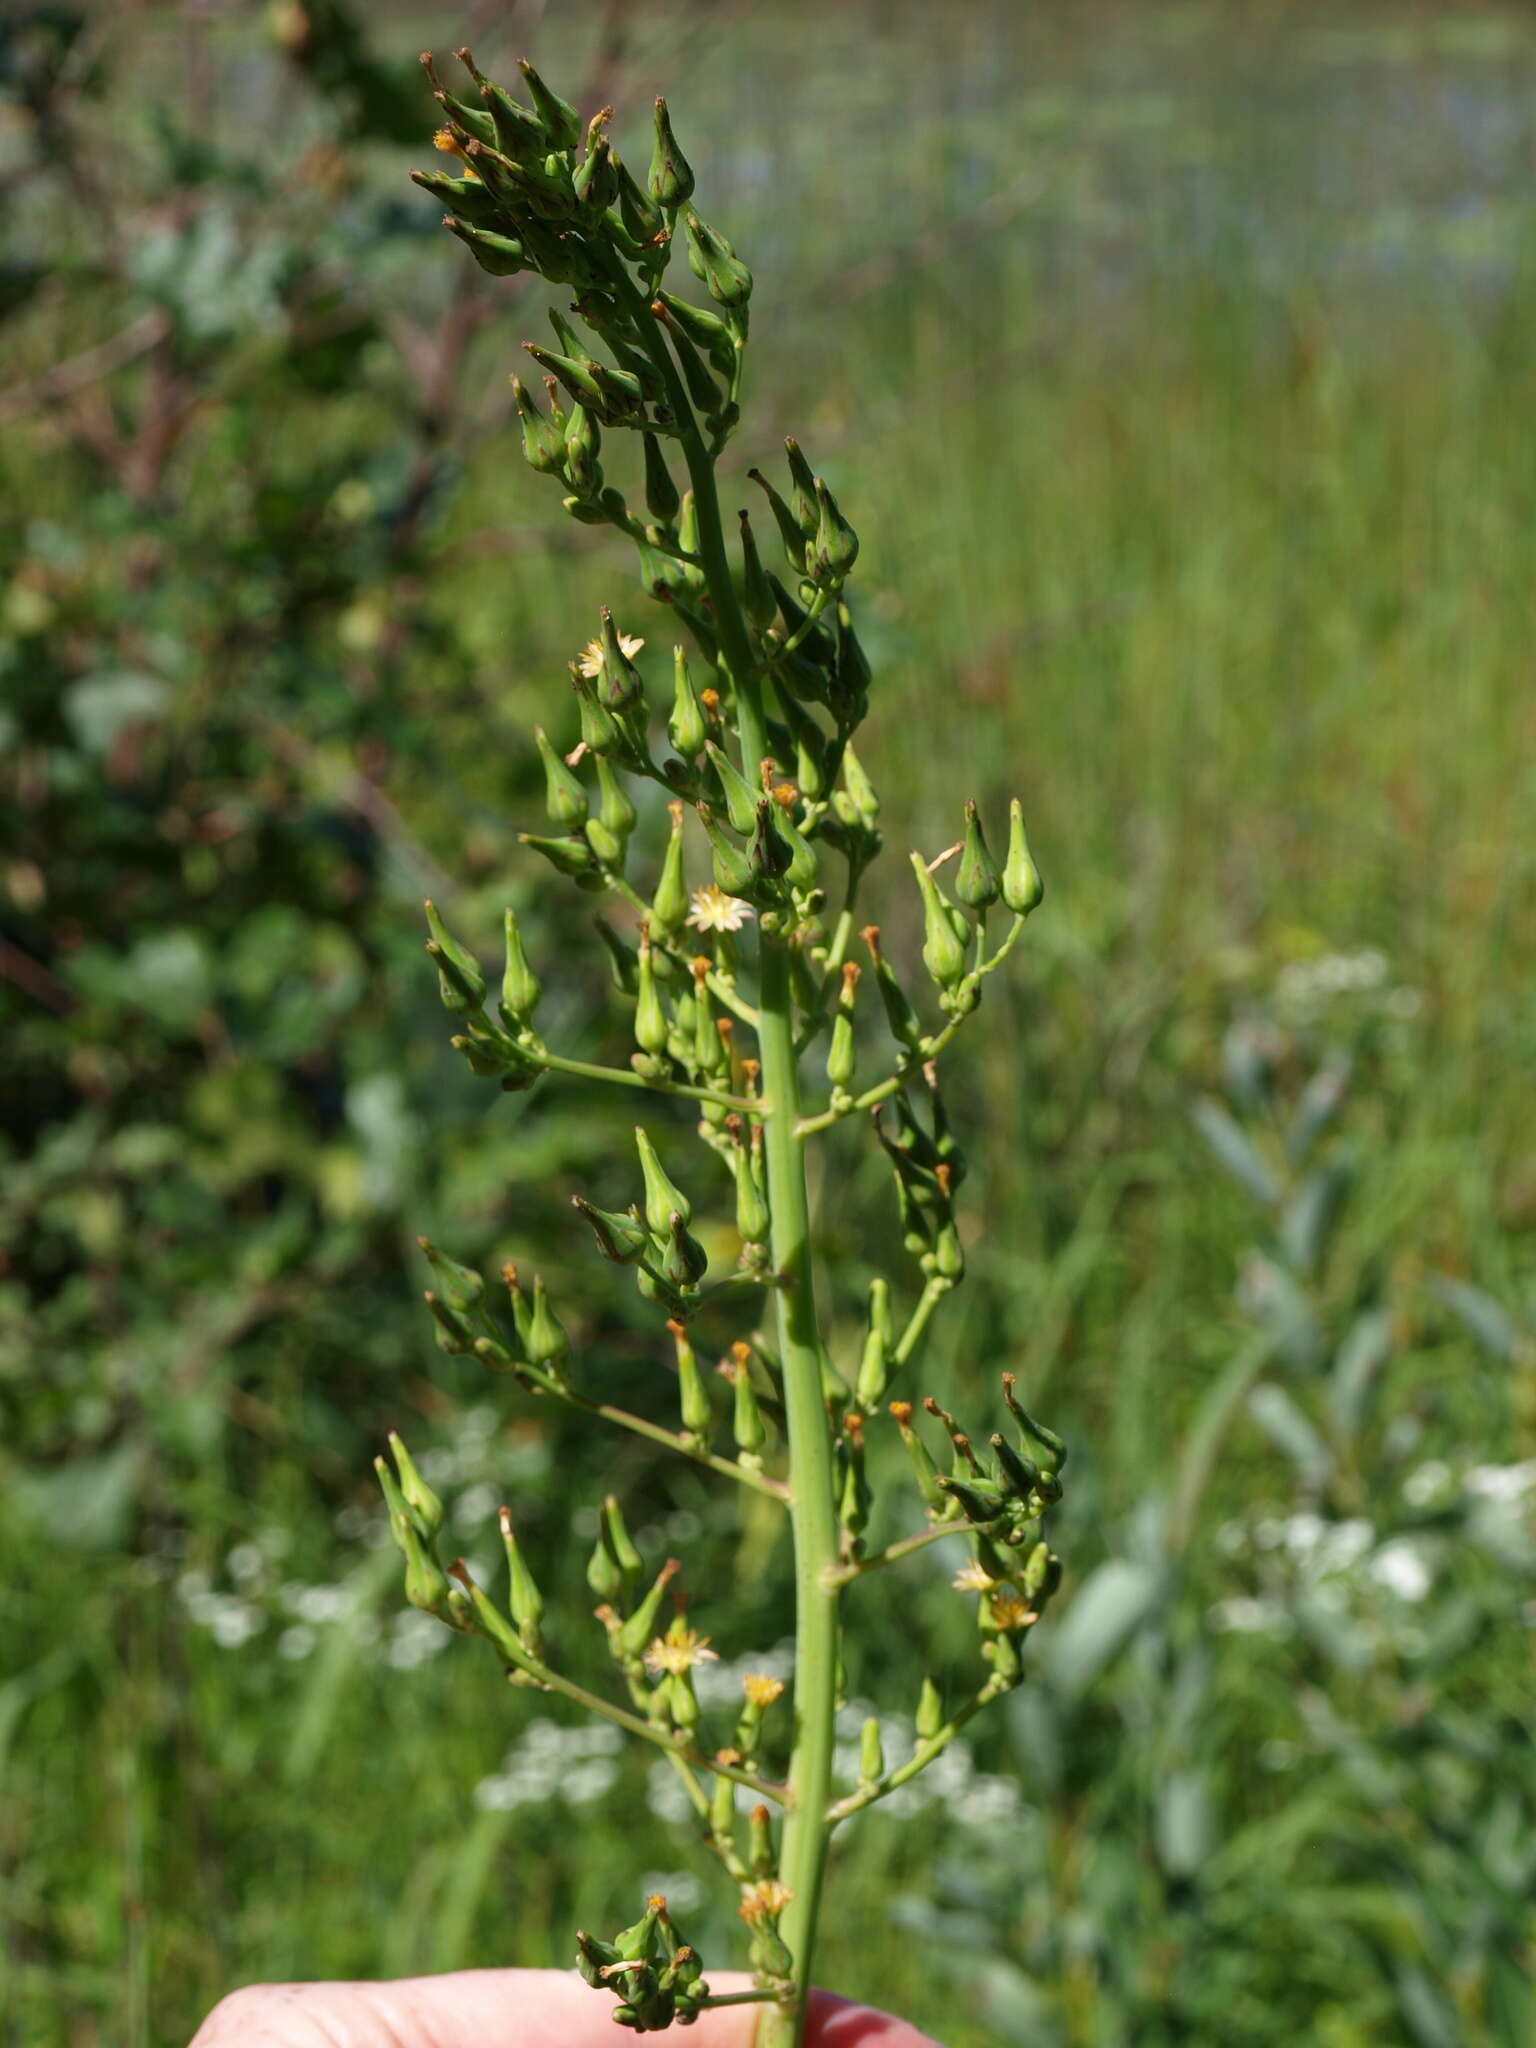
1184 1826
1285 1425
1484 1318
1364 1351
1235 1150
1271 1296
1319 1103
1105 1612
1430 2019
1310 1215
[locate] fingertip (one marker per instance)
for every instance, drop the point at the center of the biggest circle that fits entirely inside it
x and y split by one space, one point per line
840 2023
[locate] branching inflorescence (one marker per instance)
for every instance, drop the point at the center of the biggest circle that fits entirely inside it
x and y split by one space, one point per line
732 987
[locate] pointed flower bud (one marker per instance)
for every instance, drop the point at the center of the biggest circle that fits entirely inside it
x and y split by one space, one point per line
671 178
734 873
524 1600
693 1396
853 1496
741 799
1043 1444
426 1584
497 255
758 599
559 119
747 1425
1022 888
760 1841
460 981
929 1718
661 494
871 1753
564 798
685 727
841 1059
461 1287
752 1221
618 679
796 546
662 1197
621 1238
943 951
714 263
977 881
631 1638
422 1504
926 1472
836 545
684 1262
875 1360
546 1342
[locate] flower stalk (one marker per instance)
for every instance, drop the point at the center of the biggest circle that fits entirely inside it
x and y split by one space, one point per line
734 980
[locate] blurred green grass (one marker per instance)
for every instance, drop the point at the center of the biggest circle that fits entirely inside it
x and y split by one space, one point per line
1173 368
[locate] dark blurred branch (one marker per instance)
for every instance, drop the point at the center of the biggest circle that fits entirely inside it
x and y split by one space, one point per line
76 372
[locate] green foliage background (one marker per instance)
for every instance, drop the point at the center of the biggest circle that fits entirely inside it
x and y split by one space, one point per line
1174 367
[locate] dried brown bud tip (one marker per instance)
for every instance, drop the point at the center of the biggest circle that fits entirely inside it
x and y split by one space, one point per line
902 1410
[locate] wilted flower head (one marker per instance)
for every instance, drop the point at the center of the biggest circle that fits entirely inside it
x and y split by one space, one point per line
765 1900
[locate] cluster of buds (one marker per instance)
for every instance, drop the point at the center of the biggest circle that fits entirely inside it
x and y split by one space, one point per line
731 965
658 1977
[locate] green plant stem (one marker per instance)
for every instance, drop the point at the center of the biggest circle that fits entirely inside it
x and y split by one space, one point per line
856 1568
674 1441
920 1758
802 1859
933 1293
624 1077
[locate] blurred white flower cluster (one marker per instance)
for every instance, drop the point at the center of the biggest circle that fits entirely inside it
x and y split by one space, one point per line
549 1761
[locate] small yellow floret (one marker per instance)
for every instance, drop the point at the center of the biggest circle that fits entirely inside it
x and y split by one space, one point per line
760 1689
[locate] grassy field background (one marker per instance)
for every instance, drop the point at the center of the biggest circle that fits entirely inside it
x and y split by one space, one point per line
1173 362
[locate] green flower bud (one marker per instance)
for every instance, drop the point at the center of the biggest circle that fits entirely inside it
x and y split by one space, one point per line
733 871
621 1543
623 968
943 951
616 815
1002 1653
642 217
835 547
760 1842
517 132
853 1494
571 857
596 182
455 1332
924 1469
466 198
841 1059
619 680
693 1395
901 1017
1019 1472
704 392
709 334
685 727
599 728
876 1358
394 1502
685 1262
802 869
519 983
977 881
422 1504
524 1600
576 374
559 119
768 1953
543 443
871 1753
631 1638
564 797
1022 887
459 979
497 255
714 263
460 1286
747 1426
426 1583
722 1811
603 1574
546 1342
770 854
662 1198
620 1238
741 799
661 494
592 1957
752 1221
1036 1566
982 1500
583 439
1043 1444
817 647
670 178
807 509
929 1718
796 547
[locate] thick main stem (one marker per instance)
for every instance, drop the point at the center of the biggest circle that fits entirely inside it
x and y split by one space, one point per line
813 1512
803 1856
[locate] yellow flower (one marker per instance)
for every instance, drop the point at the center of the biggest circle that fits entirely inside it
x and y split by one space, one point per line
1011 1611
678 1651
764 1901
590 659
714 911
761 1691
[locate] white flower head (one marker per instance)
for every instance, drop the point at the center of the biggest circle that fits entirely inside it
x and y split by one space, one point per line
714 911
